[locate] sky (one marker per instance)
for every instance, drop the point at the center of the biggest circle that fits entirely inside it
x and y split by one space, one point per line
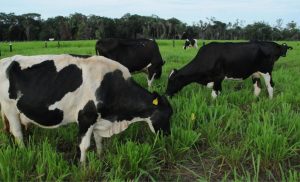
188 11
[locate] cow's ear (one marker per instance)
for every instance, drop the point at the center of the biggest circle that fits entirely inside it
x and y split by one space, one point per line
155 101
289 47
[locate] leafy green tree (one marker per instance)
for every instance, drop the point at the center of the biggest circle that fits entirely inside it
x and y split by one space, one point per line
258 31
32 24
76 26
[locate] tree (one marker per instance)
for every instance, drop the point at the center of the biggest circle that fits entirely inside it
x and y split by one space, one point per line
291 32
279 23
76 26
32 25
16 33
258 31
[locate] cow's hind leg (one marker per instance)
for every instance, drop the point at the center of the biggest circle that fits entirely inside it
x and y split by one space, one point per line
5 123
256 84
12 117
269 83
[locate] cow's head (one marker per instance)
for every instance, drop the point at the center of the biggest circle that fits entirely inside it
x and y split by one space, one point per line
122 99
161 114
156 69
283 49
186 44
105 46
175 83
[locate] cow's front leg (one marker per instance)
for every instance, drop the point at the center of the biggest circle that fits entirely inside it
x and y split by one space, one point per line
210 85
217 88
84 143
256 84
98 141
150 79
87 118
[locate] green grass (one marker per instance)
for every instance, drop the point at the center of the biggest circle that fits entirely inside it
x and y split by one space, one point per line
235 137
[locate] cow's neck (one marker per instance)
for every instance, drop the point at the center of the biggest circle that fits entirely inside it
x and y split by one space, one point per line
187 79
122 99
189 73
157 60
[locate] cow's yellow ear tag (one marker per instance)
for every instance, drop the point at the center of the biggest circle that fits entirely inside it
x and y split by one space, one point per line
155 102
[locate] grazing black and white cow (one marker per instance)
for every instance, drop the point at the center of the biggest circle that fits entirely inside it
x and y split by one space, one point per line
218 61
136 54
190 43
97 93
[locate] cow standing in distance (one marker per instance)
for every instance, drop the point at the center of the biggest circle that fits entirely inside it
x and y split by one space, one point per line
190 43
95 92
135 54
218 61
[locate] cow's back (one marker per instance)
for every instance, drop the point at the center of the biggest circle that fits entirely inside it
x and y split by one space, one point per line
135 54
236 60
51 89
135 57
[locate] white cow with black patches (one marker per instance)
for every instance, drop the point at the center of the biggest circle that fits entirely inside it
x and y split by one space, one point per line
95 92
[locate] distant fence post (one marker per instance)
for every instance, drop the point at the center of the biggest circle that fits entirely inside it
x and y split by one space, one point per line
173 43
58 44
46 44
203 43
10 47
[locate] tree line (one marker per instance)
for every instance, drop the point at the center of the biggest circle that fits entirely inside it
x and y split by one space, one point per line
77 26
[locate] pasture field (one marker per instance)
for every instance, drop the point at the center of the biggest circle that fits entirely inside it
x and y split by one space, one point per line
235 137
